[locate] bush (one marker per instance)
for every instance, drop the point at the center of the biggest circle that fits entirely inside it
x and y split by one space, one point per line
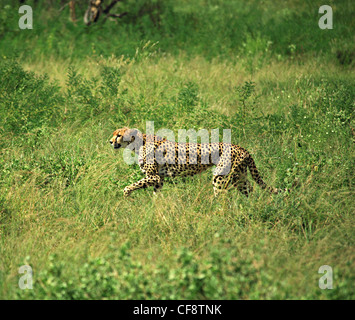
28 101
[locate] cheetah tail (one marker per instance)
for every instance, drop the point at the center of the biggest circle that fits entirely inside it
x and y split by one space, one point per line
256 176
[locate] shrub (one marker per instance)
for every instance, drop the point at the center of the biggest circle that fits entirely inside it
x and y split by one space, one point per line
28 101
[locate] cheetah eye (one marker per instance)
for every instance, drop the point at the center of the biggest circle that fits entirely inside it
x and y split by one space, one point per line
118 135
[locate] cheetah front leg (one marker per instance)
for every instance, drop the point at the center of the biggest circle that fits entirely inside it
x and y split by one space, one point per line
220 183
222 174
146 182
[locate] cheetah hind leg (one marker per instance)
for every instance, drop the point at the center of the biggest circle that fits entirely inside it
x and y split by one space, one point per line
242 184
158 186
219 183
222 177
224 182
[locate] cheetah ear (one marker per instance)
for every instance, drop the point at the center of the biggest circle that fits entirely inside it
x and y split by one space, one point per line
131 134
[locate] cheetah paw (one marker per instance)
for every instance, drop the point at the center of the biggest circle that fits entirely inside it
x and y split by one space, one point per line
126 191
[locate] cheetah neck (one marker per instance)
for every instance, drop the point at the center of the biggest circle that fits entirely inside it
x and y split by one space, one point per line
146 139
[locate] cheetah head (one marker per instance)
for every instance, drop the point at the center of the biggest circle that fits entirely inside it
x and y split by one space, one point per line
123 137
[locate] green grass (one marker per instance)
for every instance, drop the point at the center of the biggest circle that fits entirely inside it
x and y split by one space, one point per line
62 209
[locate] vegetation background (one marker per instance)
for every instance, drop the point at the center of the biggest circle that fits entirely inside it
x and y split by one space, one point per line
263 69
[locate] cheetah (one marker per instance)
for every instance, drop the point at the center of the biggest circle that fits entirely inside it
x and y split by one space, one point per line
159 158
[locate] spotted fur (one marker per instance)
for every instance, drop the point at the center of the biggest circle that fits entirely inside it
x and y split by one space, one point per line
159 158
